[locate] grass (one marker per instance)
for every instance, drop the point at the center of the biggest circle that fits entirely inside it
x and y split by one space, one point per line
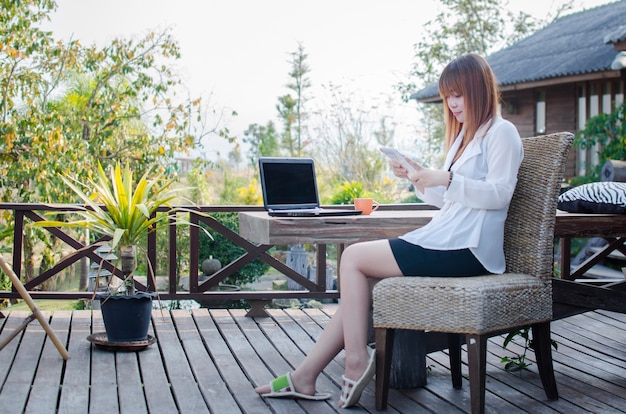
48 305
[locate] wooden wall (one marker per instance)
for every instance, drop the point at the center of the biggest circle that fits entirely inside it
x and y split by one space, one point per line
519 108
561 114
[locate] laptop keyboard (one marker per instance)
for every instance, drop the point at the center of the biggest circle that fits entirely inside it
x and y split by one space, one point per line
305 212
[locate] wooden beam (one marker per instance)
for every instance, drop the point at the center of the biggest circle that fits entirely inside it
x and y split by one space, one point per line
575 294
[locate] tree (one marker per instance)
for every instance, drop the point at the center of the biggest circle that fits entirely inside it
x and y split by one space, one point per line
66 107
286 110
299 83
347 136
291 108
263 140
463 26
266 140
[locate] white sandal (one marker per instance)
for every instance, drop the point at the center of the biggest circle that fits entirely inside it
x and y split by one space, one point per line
351 390
282 387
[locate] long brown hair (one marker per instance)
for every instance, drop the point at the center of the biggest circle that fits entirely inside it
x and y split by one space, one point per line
471 77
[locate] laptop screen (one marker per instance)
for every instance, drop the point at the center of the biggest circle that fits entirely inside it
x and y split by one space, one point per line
288 183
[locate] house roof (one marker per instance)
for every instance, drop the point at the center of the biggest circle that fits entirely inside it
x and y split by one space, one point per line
575 44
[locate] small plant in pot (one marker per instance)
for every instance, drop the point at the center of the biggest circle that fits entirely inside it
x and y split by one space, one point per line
124 210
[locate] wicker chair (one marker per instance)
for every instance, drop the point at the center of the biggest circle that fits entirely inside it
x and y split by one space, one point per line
484 306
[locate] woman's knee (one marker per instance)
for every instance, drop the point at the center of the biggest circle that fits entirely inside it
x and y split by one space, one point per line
366 255
351 251
353 255
350 256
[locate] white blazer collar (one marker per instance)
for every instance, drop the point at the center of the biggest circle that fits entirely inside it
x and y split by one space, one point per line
473 148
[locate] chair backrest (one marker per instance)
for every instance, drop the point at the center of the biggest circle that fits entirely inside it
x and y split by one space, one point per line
529 228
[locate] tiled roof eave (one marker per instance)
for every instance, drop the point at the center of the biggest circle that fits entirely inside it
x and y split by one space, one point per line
560 80
573 48
538 83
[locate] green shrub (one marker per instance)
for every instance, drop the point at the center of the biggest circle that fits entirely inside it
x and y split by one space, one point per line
348 191
609 132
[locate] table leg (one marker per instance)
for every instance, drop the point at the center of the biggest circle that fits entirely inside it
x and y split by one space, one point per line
566 257
408 366
321 268
340 248
408 363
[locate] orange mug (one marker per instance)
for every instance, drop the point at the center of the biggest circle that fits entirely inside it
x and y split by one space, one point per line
366 205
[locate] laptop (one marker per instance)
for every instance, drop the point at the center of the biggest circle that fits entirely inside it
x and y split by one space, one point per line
290 189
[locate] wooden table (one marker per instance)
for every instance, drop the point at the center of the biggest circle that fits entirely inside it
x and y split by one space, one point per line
259 227
569 296
572 293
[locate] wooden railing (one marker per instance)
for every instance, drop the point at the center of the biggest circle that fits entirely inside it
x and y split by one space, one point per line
201 291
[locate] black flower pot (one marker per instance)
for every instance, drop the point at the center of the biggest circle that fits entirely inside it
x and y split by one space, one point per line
126 317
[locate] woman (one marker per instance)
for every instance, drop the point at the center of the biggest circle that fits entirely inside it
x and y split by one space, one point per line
465 238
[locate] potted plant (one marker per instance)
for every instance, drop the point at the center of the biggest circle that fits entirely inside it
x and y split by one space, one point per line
124 210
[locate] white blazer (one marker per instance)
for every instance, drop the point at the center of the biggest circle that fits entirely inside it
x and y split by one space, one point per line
474 207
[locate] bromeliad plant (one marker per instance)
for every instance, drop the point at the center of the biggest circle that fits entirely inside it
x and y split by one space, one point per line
117 207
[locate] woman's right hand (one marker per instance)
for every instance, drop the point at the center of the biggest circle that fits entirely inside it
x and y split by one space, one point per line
401 172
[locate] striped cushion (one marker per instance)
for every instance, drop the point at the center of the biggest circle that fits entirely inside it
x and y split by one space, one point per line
602 197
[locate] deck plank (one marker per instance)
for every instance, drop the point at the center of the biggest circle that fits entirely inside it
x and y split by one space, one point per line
210 384
527 382
129 383
189 399
103 375
22 369
581 388
309 331
293 343
215 333
7 355
236 369
22 364
401 401
211 360
156 384
44 393
264 346
76 381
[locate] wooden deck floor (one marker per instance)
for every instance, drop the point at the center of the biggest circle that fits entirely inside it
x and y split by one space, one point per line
210 361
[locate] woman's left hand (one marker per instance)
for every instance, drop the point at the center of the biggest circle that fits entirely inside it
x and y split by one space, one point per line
426 177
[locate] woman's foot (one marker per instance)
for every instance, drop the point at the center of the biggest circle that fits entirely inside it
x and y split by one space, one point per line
351 388
290 386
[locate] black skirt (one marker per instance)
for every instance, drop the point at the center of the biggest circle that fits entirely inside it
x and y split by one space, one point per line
415 260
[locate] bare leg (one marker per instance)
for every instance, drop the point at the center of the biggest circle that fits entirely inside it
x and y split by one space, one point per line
327 346
362 264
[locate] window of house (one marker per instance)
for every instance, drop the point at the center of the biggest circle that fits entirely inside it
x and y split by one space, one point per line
594 110
607 98
618 88
581 167
540 113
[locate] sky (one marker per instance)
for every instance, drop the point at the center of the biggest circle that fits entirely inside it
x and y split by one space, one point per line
236 53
